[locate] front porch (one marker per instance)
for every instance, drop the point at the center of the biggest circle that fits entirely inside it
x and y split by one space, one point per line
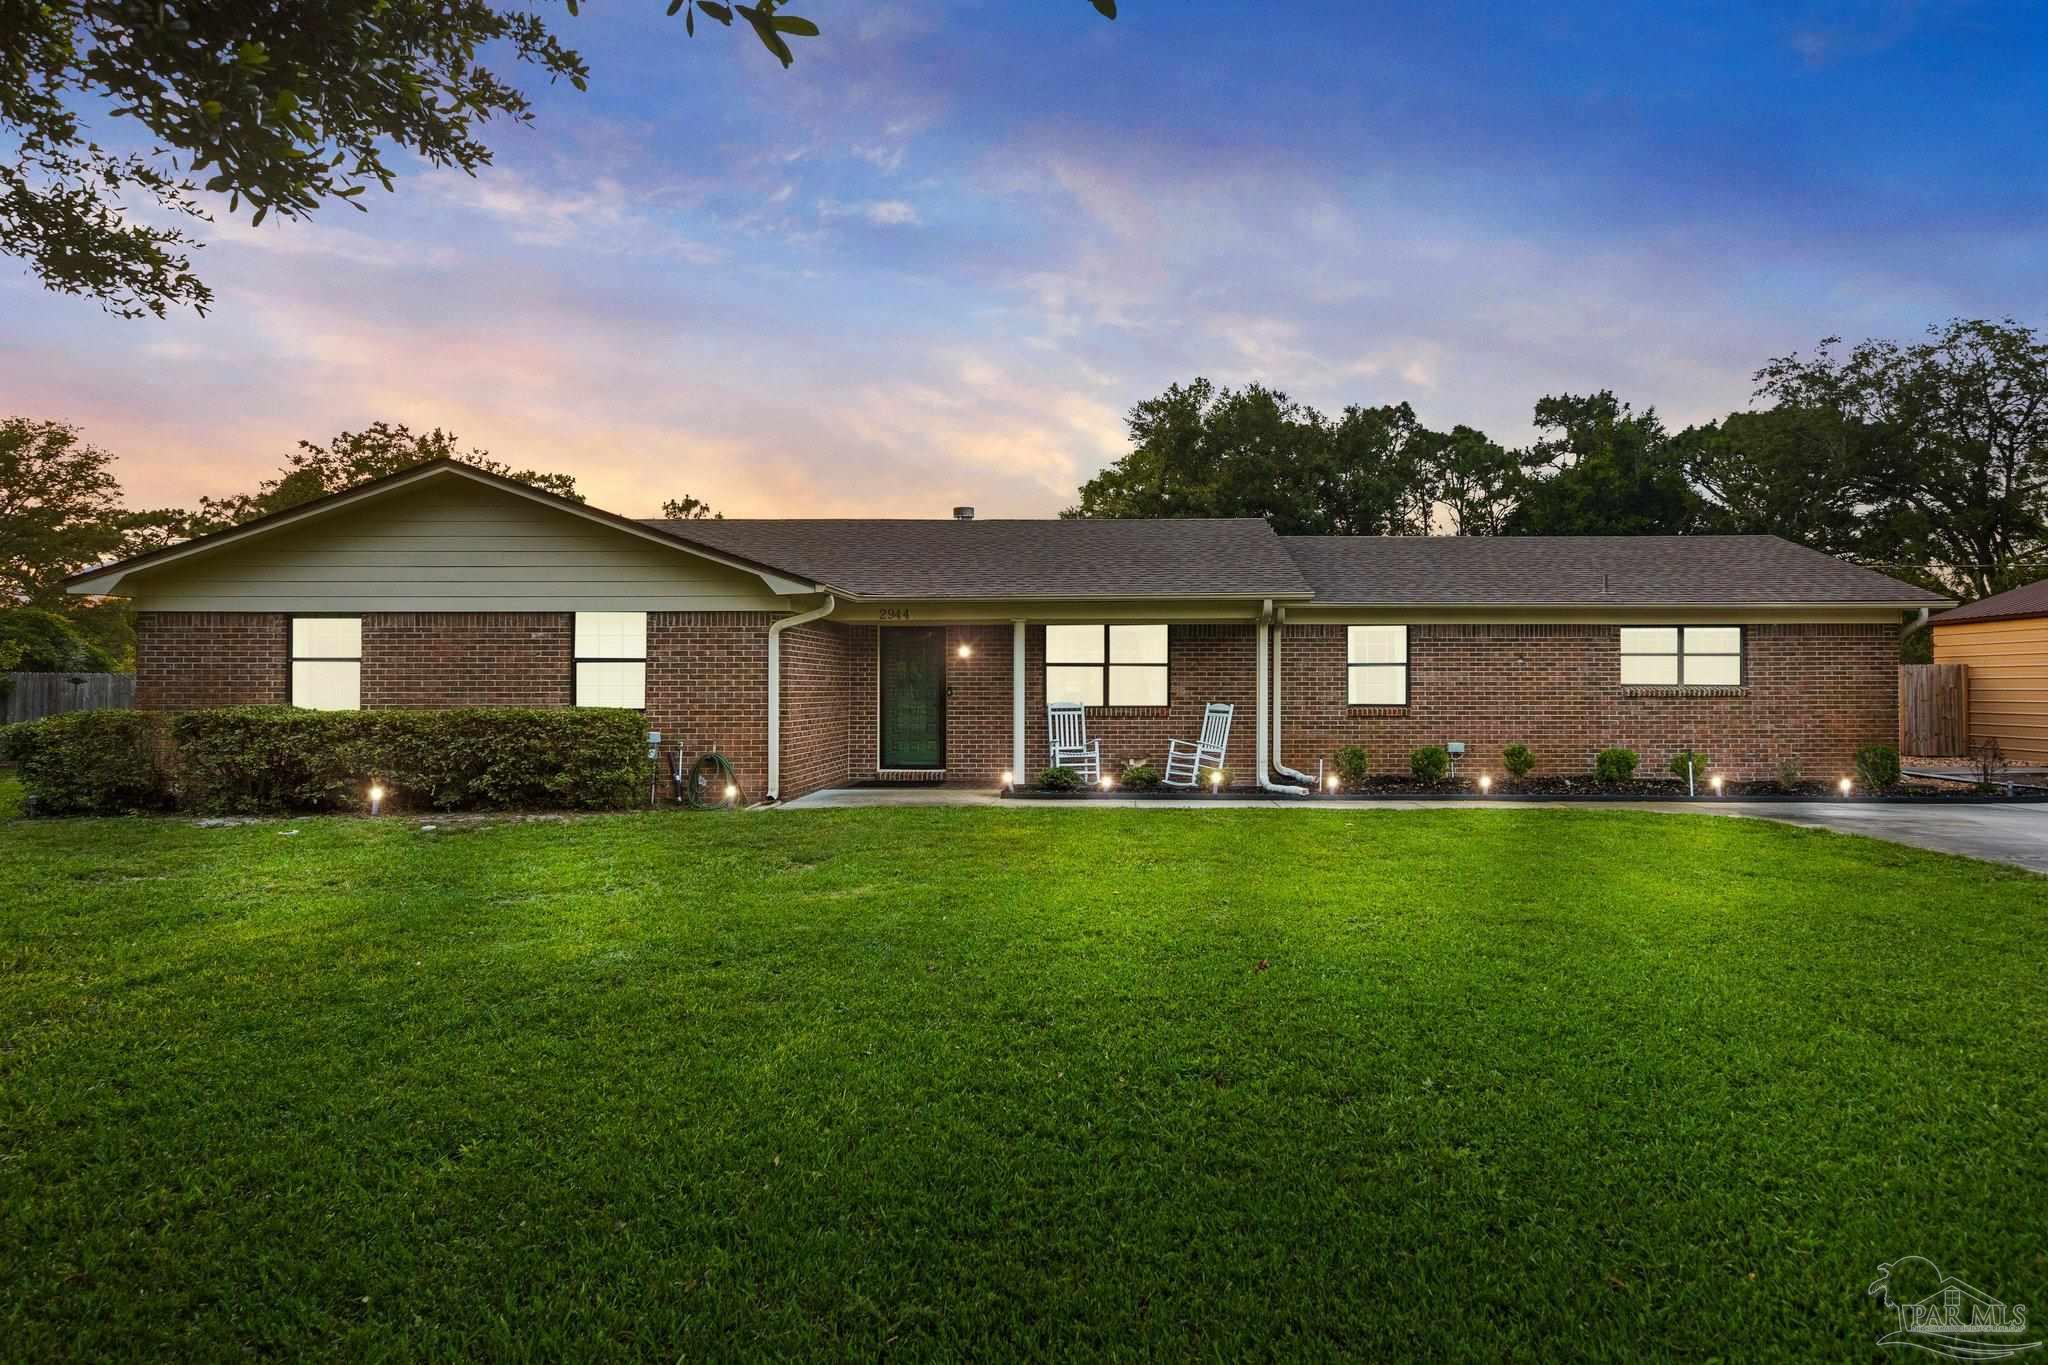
959 704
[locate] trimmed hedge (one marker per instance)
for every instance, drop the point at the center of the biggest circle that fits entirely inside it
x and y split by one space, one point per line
93 762
247 760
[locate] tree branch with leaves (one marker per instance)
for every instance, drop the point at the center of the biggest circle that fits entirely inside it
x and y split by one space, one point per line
281 109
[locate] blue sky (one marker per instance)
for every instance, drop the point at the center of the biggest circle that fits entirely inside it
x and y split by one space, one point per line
937 260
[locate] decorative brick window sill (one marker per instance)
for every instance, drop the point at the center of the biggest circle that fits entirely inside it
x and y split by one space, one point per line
1127 712
1376 710
1685 691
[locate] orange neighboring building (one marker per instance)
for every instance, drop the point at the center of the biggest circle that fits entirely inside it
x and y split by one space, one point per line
2004 641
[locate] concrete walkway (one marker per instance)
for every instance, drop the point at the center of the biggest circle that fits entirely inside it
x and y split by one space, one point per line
2017 835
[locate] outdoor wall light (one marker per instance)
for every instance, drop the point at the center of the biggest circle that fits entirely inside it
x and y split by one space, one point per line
1844 785
1332 783
732 792
1216 782
1107 783
967 651
376 797
1715 783
1009 778
1485 783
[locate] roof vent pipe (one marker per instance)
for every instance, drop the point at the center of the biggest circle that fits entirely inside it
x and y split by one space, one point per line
963 514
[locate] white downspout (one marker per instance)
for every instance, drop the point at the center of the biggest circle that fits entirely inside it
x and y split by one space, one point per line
1279 670
1260 751
775 629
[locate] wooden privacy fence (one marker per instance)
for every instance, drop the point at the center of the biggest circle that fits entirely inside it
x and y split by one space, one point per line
35 695
1934 710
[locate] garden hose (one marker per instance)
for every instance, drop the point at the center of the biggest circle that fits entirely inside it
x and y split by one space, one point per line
709 780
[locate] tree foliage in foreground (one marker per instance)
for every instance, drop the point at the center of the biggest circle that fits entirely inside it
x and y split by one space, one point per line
280 108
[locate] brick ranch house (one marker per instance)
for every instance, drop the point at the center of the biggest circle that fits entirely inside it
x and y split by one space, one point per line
815 653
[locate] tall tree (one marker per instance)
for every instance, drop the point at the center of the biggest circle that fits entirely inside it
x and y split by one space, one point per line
279 107
1956 472
1374 481
61 512
1200 451
1783 471
1605 470
353 457
1475 480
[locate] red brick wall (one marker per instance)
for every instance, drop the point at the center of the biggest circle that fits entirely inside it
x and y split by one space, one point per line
185 659
1815 692
468 658
816 706
707 687
1814 695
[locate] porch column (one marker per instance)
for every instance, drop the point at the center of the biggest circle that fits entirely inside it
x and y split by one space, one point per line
1017 699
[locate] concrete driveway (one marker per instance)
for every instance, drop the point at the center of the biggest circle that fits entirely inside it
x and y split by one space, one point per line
2017 835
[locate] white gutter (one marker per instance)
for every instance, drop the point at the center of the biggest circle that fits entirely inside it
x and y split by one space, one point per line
1259 743
1917 624
775 629
1279 668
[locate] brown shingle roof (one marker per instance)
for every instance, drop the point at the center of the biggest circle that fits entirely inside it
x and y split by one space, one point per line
1237 557
1552 571
2031 600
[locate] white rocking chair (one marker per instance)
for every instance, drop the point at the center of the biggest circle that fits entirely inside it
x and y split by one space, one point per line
1185 759
1066 727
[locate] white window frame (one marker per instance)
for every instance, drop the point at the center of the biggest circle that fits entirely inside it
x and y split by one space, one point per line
611 659
1681 652
293 659
1108 666
1351 669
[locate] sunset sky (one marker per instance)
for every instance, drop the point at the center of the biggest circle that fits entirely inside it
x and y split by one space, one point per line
937 260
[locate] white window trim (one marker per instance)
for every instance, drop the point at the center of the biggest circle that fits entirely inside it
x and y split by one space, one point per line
1680 653
576 662
1108 663
292 659
1405 663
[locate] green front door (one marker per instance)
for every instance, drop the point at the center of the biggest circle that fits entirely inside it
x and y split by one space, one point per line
914 697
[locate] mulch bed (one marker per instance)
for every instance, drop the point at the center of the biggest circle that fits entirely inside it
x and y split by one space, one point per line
1568 789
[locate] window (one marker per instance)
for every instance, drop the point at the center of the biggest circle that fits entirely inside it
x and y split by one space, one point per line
1376 659
327 663
1106 665
1687 656
611 659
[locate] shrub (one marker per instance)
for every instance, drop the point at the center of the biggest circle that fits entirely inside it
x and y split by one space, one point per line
1351 765
93 762
1138 777
248 759
1431 763
1517 759
1788 775
1877 767
1616 764
1060 779
1694 757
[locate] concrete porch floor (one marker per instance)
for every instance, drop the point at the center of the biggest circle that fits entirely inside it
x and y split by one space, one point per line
2016 835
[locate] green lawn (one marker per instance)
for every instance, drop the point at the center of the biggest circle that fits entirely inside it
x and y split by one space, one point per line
934 1082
